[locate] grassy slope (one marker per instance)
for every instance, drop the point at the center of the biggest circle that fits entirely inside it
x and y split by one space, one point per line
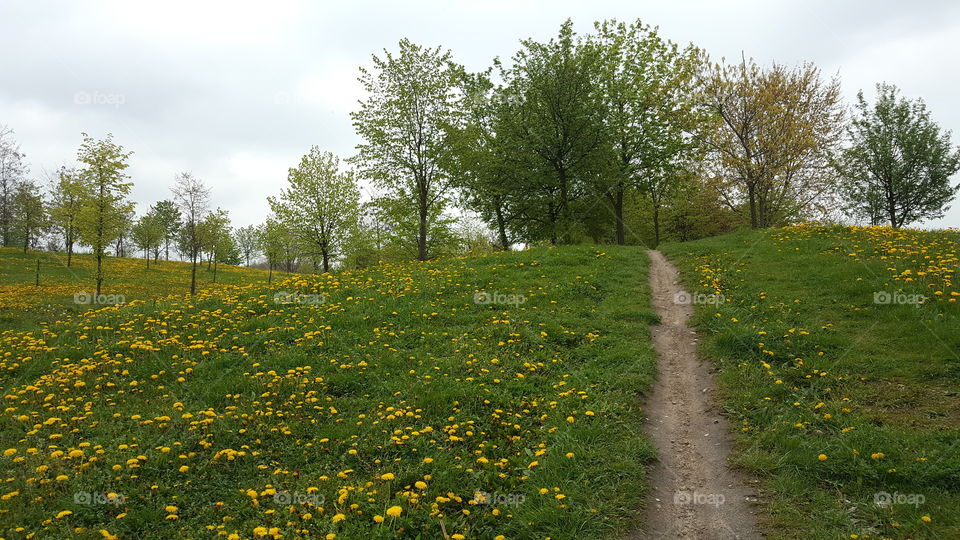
812 365
23 303
211 413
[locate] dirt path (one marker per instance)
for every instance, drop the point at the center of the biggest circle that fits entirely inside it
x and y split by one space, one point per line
694 494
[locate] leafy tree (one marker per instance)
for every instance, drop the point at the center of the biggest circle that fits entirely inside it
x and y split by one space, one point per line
278 245
899 164
104 207
65 203
247 242
773 138
29 216
192 198
168 215
480 161
553 115
645 86
216 238
147 234
411 100
12 171
319 206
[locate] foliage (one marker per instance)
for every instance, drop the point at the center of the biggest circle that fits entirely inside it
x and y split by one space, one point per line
320 205
898 166
410 103
103 216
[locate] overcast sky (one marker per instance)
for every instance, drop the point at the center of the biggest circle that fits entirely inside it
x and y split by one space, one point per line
236 92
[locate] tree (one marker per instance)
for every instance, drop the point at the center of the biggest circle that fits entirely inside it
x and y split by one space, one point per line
553 115
28 214
773 137
12 171
410 102
216 238
898 166
192 198
278 246
649 113
66 194
480 159
147 233
247 242
319 206
168 216
104 208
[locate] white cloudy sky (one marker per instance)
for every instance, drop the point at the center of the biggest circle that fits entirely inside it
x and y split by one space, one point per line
236 92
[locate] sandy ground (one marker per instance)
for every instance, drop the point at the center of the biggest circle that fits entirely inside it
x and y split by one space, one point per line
694 494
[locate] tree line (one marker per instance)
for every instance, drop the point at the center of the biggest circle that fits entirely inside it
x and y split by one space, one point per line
617 136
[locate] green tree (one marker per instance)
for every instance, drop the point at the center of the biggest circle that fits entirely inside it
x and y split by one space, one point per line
645 84
773 138
65 203
192 198
29 216
247 242
552 116
278 245
147 234
898 166
168 215
480 161
411 101
104 205
216 238
320 205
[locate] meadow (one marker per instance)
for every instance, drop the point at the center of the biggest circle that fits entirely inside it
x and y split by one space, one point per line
839 355
26 301
489 397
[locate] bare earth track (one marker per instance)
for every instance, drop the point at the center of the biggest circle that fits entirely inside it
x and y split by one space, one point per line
694 494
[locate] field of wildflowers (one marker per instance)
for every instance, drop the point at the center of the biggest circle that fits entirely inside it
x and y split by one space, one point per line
839 354
490 397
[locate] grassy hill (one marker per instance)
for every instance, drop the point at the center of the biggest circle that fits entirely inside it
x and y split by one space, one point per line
63 290
839 351
480 397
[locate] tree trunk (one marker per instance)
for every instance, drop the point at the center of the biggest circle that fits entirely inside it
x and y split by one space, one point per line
99 270
502 229
146 256
751 190
215 263
193 274
270 275
422 234
326 259
656 224
618 214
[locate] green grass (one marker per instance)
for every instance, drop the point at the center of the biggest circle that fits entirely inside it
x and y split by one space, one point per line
811 365
24 304
286 415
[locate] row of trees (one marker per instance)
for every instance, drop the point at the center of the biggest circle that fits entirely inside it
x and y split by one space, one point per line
619 136
594 137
